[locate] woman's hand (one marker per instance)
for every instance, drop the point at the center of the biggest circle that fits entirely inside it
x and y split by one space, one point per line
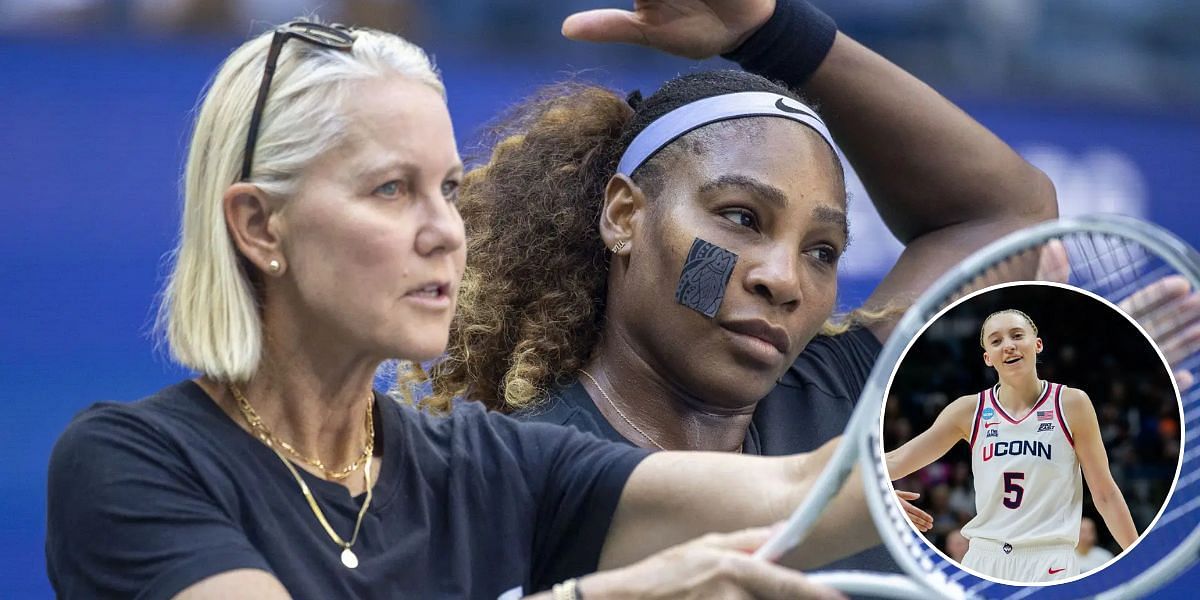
1167 308
689 28
712 566
919 518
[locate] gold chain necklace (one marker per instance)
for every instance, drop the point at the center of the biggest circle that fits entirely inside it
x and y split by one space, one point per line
349 558
621 413
263 433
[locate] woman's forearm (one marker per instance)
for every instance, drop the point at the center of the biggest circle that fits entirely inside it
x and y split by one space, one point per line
845 528
926 163
1116 516
897 467
674 497
933 443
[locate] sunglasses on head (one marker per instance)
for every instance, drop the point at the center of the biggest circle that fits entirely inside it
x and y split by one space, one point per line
335 36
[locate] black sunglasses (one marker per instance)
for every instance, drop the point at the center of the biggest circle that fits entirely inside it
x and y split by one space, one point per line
327 36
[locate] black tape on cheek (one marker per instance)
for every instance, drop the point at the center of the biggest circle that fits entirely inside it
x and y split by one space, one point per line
705 275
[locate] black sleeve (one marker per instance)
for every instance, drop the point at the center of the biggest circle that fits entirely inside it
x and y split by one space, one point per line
815 397
127 517
840 364
577 480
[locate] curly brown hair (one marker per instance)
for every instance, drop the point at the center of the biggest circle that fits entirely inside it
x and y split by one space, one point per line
532 302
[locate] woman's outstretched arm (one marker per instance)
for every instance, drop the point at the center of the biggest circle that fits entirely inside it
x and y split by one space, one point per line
952 424
672 497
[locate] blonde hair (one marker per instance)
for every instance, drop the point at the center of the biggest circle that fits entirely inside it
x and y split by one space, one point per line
1001 312
209 309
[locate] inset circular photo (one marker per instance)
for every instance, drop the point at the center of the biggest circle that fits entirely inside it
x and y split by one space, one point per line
1042 429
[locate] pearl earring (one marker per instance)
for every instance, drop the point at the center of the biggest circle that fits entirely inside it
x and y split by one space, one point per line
273 265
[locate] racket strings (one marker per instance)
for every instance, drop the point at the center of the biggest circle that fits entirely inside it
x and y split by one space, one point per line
1188 479
1164 316
1113 263
1120 270
1178 512
1112 268
1191 399
1192 419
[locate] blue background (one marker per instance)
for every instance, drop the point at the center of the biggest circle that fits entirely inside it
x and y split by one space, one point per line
92 140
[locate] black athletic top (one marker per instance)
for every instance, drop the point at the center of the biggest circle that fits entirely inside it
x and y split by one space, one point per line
810 405
149 497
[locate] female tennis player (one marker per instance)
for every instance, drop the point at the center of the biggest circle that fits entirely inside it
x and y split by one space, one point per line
582 222
1029 440
602 290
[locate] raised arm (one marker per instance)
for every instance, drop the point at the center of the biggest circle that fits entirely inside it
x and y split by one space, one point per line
942 182
1093 460
952 424
927 165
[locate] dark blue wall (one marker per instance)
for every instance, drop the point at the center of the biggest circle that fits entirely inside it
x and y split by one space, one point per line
92 136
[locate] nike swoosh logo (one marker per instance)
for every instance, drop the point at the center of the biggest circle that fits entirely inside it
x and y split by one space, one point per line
1055 571
988 425
781 105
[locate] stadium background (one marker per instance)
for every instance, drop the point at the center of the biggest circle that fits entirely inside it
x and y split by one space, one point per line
96 99
1088 346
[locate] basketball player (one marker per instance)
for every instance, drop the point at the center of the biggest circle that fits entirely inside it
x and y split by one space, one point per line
1029 440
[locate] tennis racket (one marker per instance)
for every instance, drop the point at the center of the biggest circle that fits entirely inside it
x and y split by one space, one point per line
1117 258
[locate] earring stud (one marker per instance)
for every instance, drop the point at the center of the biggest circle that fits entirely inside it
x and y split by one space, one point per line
273 265
617 247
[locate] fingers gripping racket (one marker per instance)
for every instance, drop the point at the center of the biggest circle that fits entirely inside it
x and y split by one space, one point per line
1126 261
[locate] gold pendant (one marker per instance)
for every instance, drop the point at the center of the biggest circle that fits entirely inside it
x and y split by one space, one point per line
349 559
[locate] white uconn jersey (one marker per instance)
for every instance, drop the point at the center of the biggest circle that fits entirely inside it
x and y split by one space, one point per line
1028 488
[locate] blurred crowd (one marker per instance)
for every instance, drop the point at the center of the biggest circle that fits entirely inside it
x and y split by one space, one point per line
1138 415
169 17
1092 51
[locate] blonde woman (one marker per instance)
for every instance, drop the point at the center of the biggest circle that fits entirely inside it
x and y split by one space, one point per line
1030 439
320 236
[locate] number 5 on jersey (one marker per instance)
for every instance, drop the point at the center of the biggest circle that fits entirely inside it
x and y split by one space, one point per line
1012 486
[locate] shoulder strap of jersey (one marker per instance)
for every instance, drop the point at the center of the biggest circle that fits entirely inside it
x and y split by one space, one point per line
979 403
1058 412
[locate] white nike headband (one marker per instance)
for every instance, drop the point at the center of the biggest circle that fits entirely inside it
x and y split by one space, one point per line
677 123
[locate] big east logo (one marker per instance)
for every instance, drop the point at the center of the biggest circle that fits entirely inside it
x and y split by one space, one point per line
1016 448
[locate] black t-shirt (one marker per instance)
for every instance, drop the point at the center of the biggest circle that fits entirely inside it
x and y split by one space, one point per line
150 497
809 406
